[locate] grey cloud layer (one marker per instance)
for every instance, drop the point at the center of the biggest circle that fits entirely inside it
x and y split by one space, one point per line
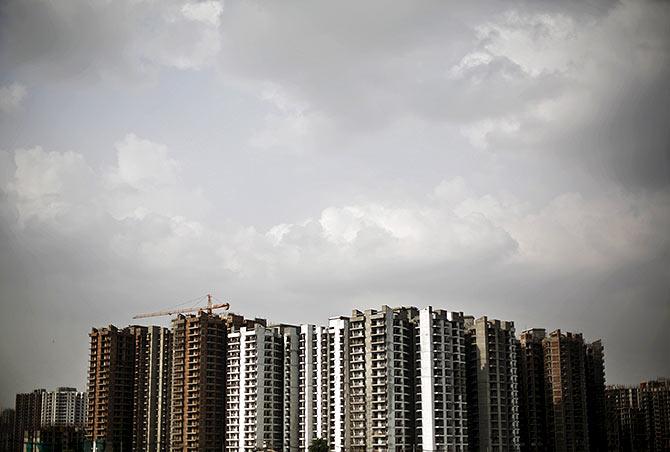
502 158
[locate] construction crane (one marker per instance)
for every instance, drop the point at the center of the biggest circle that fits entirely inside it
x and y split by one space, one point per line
209 309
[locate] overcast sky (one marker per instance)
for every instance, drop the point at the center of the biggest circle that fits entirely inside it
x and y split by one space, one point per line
300 159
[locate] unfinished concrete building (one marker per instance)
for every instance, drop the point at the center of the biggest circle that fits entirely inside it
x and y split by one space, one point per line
493 410
291 386
565 376
595 396
152 388
381 375
655 410
110 389
198 382
532 393
28 417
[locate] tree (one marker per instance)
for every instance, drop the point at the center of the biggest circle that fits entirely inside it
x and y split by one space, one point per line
319 445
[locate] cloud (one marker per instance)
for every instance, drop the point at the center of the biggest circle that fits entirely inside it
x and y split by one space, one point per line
125 40
11 97
453 226
106 233
143 163
208 12
608 67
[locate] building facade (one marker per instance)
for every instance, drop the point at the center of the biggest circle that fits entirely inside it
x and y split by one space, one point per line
440 379
313 385
625 423
565 376
381 380
7 430
64 407
152 388
28 416
338 383
109 417
493 404
291 386
198 404
255 387
654 399
532 393
595 396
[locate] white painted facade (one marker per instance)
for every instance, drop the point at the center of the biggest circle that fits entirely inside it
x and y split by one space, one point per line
63 407
254 408
313 385
338 344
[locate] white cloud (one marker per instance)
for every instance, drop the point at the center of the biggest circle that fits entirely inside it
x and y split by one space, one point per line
208 12
454 225
124 40
142 163
11 97
50 185
290 125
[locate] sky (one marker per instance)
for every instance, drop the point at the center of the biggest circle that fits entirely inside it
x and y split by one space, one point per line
301 159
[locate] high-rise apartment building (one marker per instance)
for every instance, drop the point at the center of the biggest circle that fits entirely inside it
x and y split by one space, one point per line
291 386
625 424
109 419
493 411
532 391
64 407
255 386
152 388
381 377
655 410
440 378
198 383
313 385
28 416
595 396
7 430
338 383
565 374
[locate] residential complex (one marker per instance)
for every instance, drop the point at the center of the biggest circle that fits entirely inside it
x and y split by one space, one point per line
392 379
